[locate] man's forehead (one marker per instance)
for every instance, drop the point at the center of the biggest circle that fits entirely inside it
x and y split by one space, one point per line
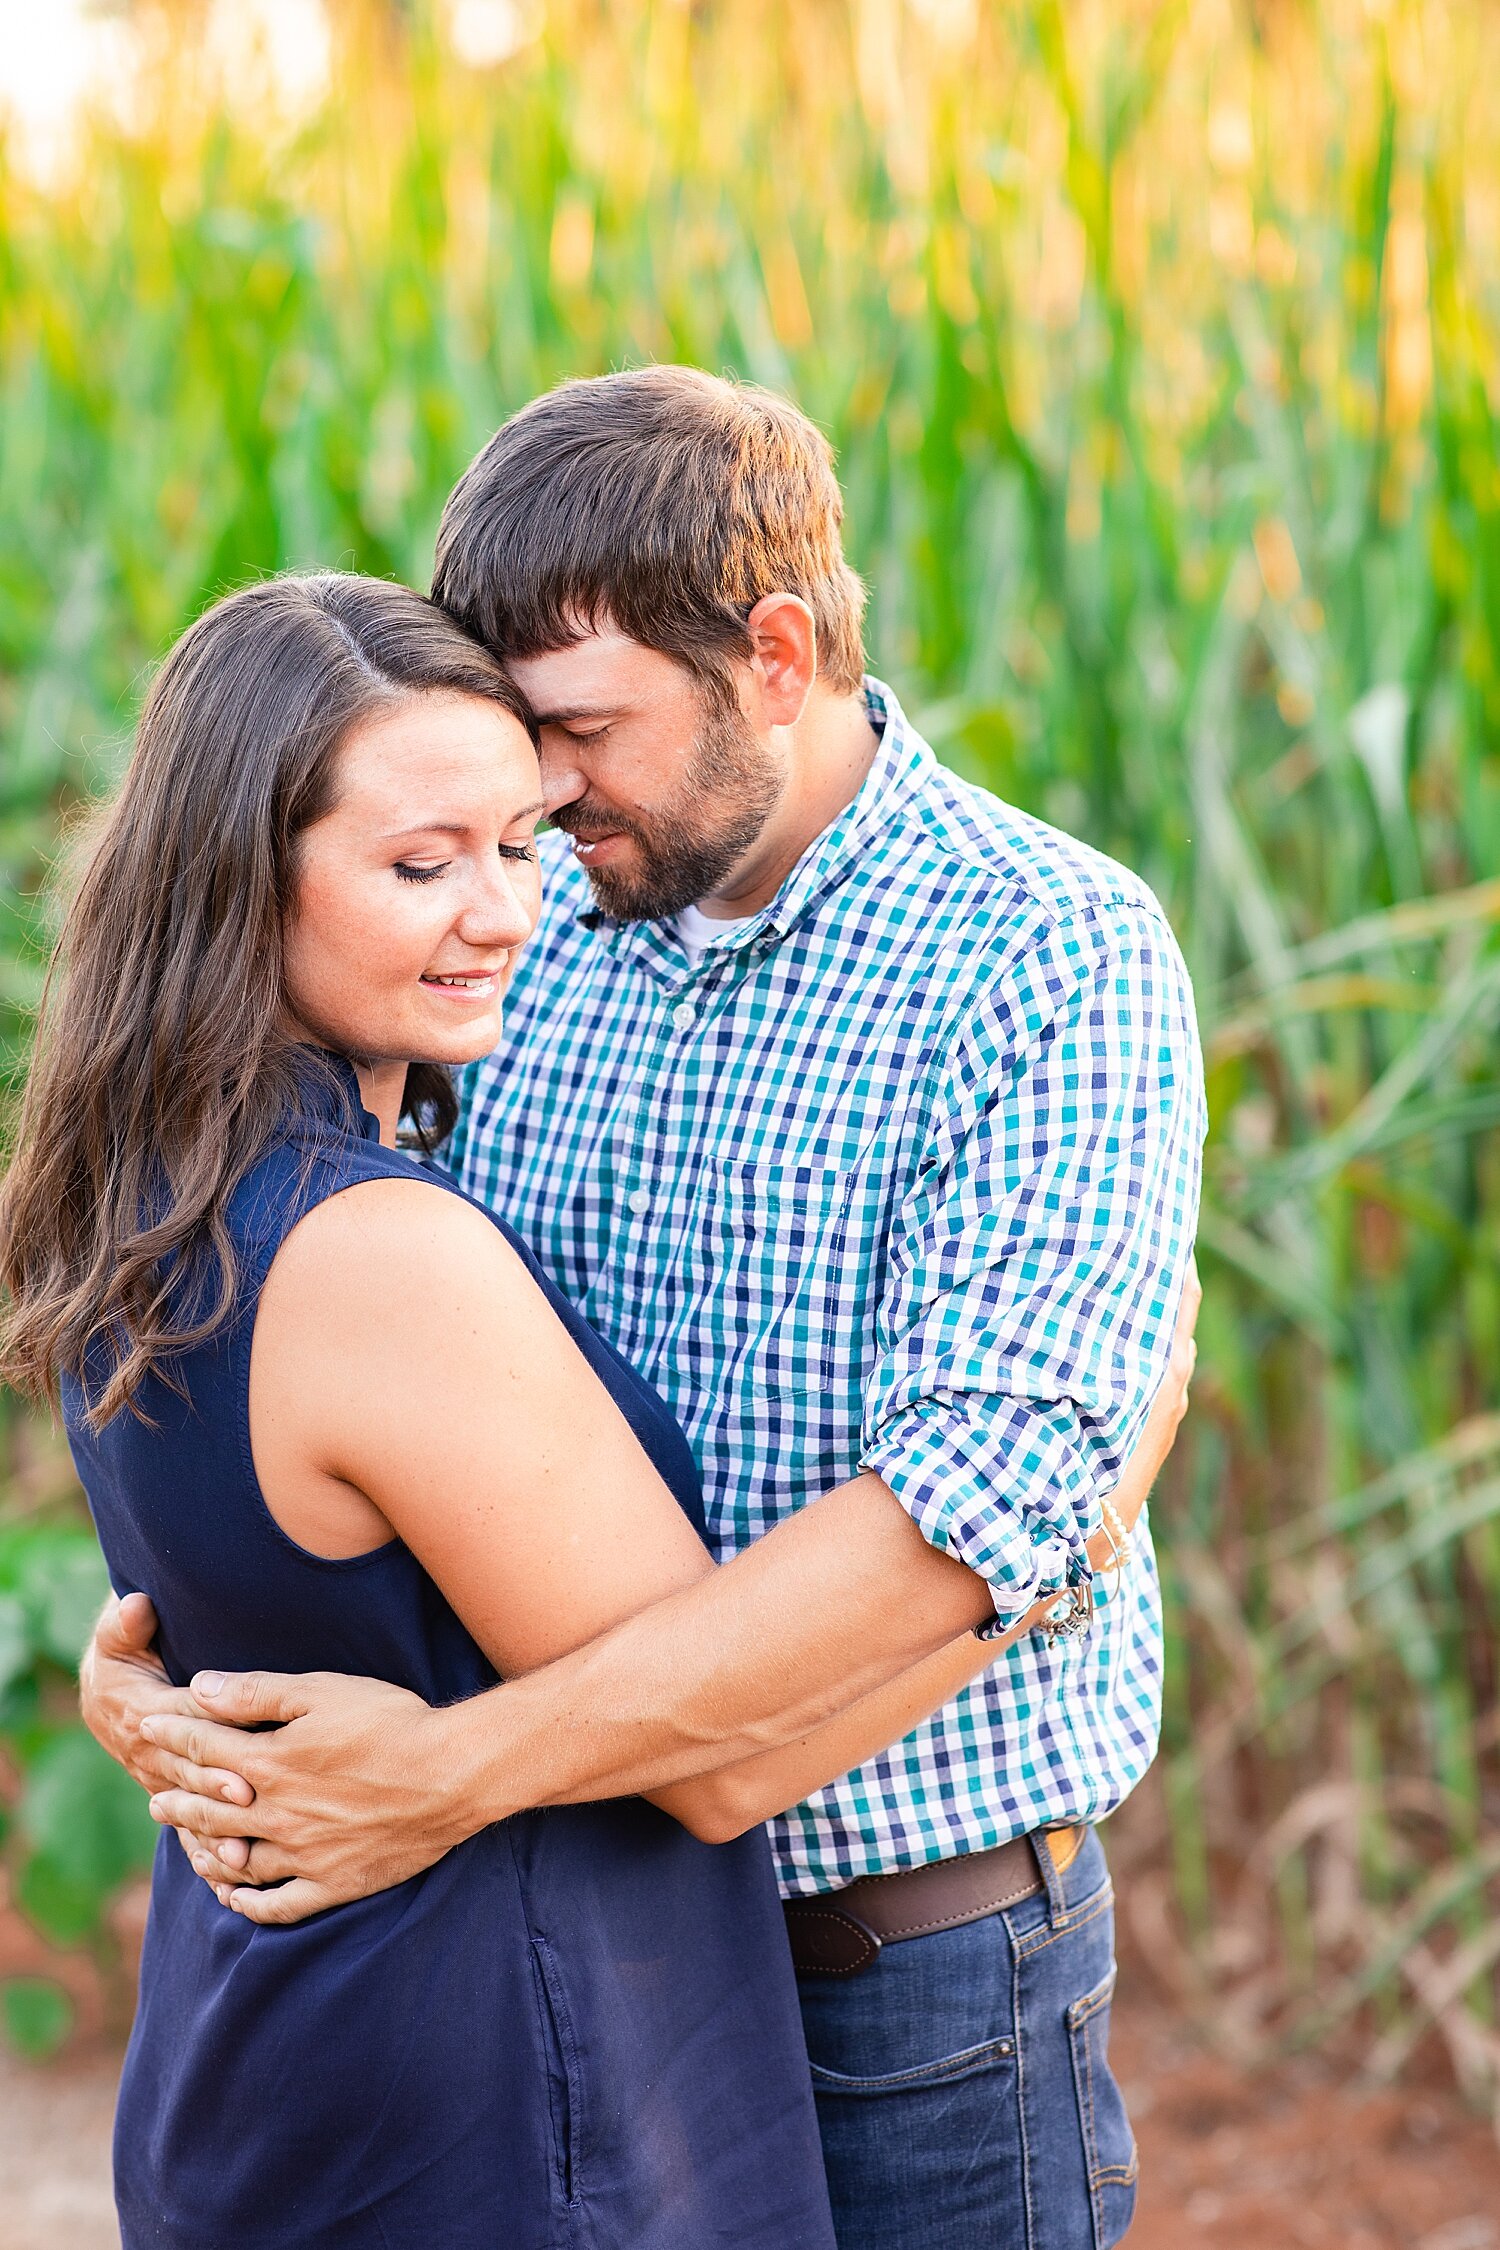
601 669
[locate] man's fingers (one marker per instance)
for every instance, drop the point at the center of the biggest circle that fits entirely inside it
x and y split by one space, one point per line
199 1741
226 1867
170 1772
250 1699
126 1628
135 1623
289 1902
180 1808
236 1859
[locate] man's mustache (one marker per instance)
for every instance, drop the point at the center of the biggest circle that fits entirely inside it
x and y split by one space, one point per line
589 821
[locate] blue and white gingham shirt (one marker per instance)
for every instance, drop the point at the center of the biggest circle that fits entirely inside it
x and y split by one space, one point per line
903 1176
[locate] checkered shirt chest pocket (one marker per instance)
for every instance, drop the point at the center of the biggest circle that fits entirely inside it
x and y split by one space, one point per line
776 1228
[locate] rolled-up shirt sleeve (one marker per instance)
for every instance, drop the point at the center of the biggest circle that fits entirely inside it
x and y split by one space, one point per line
1039 1255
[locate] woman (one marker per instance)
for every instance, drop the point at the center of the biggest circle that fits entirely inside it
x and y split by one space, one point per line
581 2026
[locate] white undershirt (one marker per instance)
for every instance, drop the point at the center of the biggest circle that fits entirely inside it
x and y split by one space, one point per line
696 930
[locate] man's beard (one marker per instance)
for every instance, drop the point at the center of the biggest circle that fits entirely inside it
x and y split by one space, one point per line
729 790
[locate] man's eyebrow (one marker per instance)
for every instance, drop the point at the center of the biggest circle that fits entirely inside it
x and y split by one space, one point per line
454 827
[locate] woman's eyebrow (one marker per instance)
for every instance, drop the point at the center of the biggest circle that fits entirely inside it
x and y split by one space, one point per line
453 827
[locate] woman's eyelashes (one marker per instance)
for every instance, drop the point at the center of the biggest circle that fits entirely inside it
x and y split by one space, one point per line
410 874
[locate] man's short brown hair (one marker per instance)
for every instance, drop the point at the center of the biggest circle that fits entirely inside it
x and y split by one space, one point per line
667 502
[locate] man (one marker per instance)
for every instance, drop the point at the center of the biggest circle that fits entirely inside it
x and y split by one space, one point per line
863 1114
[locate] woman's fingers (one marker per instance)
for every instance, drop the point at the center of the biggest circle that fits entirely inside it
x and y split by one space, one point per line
1184 1357
1184 1375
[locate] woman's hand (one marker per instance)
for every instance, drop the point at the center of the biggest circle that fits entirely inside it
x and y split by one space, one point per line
1160 1432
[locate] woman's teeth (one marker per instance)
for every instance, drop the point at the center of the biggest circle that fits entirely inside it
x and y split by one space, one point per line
464 984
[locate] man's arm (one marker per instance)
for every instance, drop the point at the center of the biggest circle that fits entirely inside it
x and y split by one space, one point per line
363 1784
1039 1257
736 1797
1045 1248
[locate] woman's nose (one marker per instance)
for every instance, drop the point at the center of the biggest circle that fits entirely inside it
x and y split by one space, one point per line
503 911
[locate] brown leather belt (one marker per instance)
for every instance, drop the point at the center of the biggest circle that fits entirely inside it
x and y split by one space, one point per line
839 1933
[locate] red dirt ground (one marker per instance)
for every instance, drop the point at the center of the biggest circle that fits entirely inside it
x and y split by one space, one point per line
1284 2160
1290 2159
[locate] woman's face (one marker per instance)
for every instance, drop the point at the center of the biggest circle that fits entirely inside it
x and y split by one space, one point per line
417 890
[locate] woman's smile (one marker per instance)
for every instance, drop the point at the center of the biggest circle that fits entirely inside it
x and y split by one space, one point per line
480 984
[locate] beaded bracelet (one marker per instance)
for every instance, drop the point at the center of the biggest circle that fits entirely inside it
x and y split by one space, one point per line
1118 1536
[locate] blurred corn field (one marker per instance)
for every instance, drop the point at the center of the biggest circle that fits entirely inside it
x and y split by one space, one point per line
1161 348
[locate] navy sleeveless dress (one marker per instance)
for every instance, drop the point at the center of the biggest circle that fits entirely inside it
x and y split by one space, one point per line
579 2028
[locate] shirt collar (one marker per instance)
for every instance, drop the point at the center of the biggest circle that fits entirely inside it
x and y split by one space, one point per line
902 761
328 1093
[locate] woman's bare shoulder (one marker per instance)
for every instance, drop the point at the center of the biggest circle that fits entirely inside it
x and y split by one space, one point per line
402 1246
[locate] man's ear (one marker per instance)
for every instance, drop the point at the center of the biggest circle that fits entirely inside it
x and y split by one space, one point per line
783 655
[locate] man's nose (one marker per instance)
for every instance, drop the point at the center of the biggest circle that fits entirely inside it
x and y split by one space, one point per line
563 779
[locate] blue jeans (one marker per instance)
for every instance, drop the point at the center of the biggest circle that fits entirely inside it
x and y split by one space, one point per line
963 2082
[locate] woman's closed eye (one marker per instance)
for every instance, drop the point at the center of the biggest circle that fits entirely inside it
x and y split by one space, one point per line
409 873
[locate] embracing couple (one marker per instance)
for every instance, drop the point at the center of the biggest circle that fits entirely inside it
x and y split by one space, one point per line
822 1210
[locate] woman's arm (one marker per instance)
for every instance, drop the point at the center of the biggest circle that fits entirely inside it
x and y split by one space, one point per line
409 1377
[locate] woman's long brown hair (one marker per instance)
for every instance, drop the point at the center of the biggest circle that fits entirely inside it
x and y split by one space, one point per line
162 1067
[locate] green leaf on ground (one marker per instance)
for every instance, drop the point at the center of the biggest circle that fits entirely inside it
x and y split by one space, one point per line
37 2015
63 1910
15 1640
85 1814
64 1583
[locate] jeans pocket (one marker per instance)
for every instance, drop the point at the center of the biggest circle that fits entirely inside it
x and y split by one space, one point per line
1108 2142
943 2072
563 2070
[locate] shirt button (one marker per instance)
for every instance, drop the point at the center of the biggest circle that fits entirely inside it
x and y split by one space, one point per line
639 1200
684 1015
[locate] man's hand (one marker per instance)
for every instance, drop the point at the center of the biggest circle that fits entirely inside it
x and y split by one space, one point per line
121 1682
357 1776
